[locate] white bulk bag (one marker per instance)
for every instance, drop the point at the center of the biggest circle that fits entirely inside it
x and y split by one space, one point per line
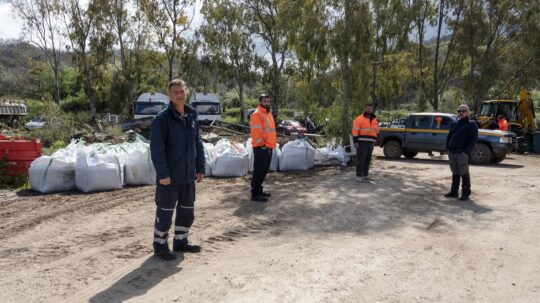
209 155
231 160
297 155
97 172
276 155
49 174
55 173
330 156
139 169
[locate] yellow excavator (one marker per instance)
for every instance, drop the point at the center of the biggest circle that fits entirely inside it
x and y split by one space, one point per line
519 114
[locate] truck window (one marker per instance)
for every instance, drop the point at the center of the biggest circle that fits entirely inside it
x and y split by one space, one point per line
149 108
421 122
444 124
207 108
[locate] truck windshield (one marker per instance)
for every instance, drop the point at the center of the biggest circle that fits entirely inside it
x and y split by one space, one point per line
207 108
149 108
488 109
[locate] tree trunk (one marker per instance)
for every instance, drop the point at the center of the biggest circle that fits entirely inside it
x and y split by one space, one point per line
241 97
436 63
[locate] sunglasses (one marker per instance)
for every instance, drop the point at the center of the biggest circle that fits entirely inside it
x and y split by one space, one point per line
461 111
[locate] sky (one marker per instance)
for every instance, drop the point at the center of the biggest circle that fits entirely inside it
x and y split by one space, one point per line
10 26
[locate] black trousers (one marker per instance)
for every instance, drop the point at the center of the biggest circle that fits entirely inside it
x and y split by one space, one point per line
261 166
168 198
363 158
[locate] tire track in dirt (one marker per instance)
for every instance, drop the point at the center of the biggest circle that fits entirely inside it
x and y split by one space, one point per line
18 219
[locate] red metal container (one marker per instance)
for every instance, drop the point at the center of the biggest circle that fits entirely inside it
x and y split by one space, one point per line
18 153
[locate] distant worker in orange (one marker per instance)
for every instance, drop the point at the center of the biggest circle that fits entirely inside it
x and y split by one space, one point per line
263 140
503 124
365 131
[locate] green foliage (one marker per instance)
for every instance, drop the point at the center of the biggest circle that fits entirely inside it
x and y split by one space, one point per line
75 103
59 125
232 113
59 144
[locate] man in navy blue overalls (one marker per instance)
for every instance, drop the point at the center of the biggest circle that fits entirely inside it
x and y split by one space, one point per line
178 157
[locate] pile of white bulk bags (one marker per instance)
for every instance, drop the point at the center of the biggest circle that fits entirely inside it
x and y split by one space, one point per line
276 155
330 156
297 155
55 173
231 159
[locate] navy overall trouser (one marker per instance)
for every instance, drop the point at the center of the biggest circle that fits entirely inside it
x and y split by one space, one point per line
168 198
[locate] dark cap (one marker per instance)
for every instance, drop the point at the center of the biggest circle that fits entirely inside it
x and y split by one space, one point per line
262 96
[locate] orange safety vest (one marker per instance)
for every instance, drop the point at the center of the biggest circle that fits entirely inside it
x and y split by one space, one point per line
503 125
364 129
263 129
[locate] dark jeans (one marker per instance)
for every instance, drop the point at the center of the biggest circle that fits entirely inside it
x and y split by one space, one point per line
363 158
261 166
168 198
459 163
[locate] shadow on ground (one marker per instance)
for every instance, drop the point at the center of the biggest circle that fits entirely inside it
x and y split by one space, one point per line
140 280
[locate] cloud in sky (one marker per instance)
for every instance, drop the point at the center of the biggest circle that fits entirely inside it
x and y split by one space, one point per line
11 26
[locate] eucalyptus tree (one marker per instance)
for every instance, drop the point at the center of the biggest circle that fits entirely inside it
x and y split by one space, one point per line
230 45
131 29
270 23
170 23
499 42
86 26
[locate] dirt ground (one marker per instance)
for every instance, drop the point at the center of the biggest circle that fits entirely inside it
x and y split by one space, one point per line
323 238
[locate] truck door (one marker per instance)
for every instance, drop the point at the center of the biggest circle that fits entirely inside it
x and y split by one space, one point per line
418 133
440 127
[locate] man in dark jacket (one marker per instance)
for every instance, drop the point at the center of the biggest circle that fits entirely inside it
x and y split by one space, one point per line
178 157
459 143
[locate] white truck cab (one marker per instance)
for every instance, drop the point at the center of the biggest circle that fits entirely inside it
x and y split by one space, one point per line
150 104
207 105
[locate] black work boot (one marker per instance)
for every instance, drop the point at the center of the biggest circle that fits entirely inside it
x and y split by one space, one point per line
454 189
259 198
465 188
163 252
186 247
265 194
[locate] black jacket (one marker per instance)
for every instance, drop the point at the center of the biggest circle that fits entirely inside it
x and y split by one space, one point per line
176 146
462 136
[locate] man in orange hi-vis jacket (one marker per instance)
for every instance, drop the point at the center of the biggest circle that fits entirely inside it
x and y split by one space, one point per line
503 124
365 132
263 140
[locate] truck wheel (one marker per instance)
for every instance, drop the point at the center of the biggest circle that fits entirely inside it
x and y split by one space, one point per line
497 159
392 150
481 154
410 154
15 123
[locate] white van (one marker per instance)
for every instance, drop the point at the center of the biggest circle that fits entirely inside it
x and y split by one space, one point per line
208 107
150 104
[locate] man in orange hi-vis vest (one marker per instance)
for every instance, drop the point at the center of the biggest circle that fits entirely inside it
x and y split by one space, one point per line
503 124
263 140
365 132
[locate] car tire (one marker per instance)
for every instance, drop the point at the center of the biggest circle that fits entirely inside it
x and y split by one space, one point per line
392 150
481 154
410 154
